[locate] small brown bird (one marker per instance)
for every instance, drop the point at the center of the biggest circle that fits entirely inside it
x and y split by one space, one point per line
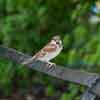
50 51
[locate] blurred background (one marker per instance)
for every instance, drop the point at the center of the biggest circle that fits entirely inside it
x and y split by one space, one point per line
27 25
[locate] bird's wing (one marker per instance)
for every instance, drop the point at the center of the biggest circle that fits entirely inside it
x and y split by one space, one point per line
49 48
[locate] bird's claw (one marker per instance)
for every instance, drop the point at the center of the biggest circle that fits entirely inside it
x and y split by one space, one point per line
51 65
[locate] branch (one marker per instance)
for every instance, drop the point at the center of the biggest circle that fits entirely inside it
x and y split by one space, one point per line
76 76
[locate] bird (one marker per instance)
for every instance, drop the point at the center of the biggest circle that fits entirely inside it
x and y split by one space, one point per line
48 52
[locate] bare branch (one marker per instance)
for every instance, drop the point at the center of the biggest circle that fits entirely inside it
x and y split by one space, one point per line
76 76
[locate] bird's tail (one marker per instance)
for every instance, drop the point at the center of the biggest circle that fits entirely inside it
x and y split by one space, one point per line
27 61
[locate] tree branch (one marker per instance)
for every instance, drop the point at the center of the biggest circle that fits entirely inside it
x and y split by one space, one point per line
76 76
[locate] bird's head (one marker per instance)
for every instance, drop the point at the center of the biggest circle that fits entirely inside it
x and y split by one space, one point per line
57 39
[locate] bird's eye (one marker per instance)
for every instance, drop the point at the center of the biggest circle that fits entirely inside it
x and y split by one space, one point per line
57 42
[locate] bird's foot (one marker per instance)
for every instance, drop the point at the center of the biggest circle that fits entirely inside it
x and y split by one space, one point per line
51 65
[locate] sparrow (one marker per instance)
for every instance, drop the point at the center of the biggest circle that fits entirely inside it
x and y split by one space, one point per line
50 51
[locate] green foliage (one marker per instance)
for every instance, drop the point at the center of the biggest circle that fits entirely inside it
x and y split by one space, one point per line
50 90
28 25
80 34
6 74
72 94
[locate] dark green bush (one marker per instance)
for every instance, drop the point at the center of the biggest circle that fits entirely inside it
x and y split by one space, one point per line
28 25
